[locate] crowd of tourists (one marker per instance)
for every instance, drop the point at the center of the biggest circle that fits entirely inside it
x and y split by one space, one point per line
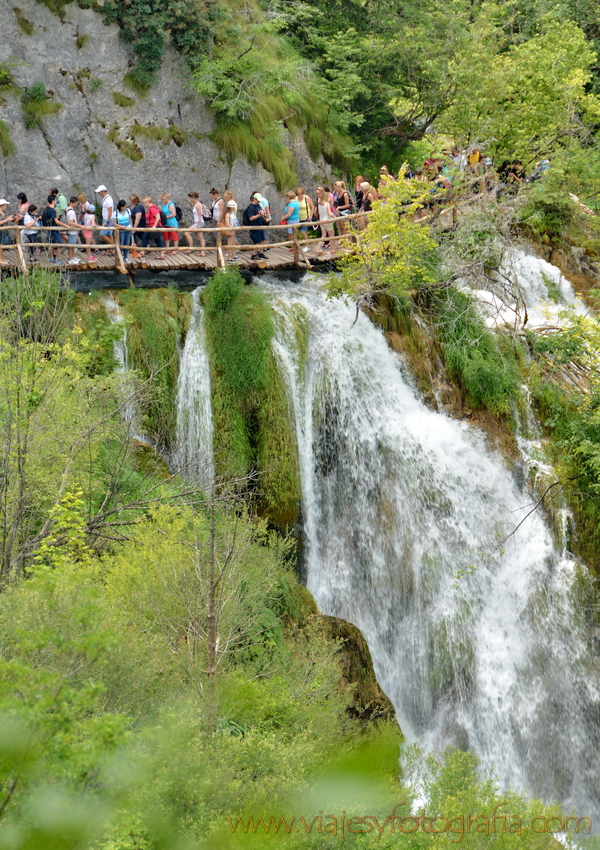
142 224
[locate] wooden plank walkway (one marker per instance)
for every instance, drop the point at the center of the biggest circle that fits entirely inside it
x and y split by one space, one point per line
276 258
294 251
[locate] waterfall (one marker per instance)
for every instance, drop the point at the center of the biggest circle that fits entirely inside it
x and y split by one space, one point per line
194 442
115 315
474 630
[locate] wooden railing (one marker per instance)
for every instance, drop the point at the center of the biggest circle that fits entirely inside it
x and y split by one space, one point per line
294 240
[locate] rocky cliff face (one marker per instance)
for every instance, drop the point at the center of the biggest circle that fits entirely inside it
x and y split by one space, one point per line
82 63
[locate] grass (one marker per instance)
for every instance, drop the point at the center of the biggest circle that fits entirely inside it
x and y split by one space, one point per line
81 40
475 358
24 23
36 105
123 100
135 84
7 146
155 133
95 84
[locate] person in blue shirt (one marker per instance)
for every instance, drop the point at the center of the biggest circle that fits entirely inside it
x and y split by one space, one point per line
291 214
170 234
123 222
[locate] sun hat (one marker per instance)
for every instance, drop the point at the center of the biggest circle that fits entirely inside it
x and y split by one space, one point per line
101 188
231 204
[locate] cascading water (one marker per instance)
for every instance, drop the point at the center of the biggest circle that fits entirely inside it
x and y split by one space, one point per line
115 315
474 633
194 441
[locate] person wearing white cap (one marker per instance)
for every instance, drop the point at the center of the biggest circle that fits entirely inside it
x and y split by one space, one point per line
108 214
4 234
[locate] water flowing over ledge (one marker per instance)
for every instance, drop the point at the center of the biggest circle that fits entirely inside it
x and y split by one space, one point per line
194 438
476 644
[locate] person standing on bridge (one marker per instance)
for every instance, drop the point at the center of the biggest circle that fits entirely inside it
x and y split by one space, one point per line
291 214
153 221
307 208
170 234
108 215
194 200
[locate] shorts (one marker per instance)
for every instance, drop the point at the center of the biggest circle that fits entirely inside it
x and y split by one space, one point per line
305 221
257 236
55 237
5 237
171 234
87 234
106 224
72 239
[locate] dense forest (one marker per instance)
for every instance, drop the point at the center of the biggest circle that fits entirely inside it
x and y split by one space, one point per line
163 671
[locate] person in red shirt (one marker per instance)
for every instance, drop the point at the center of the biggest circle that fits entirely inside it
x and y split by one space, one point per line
152 220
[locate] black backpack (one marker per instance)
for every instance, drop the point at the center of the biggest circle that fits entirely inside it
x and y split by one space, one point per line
48 220
163 218
178 213
246 219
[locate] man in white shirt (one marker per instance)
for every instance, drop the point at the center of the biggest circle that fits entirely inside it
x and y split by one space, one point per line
108 214
74 228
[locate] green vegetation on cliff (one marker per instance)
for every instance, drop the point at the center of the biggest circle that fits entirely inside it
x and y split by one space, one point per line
253 430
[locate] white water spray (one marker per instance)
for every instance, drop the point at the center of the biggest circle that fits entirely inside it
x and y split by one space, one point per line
476 635
194 451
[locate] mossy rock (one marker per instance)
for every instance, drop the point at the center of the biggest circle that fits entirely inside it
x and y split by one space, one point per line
368 700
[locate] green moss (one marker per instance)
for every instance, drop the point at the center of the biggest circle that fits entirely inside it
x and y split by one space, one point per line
81 40
24 23
122 100
152 342
277 451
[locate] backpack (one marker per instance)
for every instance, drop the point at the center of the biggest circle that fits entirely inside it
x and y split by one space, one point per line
246 219
178 213
163 218
46 219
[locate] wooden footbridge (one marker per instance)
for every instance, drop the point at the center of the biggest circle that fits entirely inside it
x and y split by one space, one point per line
295 250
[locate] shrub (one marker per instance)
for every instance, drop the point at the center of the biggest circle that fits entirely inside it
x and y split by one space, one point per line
36 104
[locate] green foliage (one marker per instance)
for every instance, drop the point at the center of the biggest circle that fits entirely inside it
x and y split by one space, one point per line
474 356
123 100
152 339
572 422
100 333
95 84
145 24
396 254
36 104
523 98
7 146
24 23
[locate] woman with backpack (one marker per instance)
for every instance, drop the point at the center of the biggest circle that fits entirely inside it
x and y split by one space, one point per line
341 203
198 212
170 221
307 208
152 220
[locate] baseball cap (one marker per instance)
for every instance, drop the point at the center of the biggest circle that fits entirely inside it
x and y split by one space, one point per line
101 188
3 201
